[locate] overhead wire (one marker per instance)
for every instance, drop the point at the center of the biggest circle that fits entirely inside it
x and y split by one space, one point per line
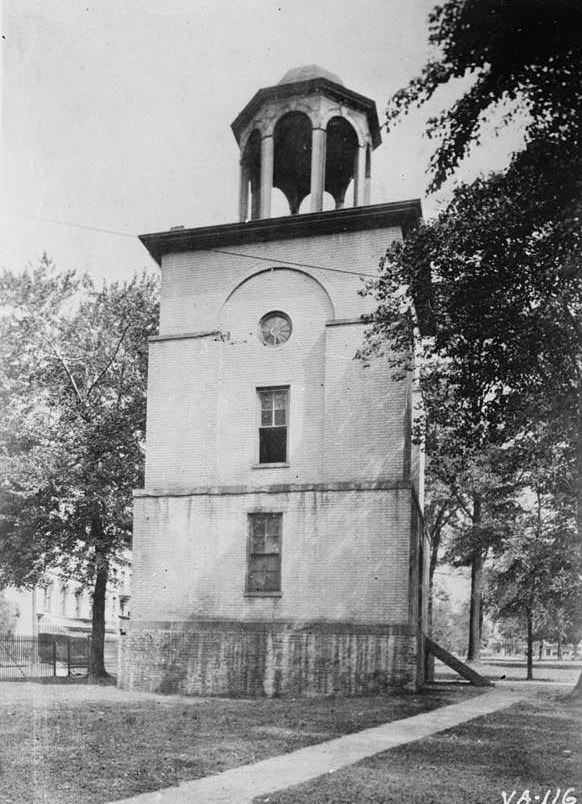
244 255
294 264
68 223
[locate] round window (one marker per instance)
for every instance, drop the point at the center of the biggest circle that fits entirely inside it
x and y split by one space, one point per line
275 329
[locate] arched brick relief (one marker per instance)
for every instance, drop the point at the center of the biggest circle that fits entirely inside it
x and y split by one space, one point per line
249 361
275 288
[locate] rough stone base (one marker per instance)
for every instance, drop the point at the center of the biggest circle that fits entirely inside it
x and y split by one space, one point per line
268 659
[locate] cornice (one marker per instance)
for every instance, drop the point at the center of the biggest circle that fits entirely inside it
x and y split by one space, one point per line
310 87
377 216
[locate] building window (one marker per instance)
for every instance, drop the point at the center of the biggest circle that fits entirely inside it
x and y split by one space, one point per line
78 602
63 600
123 601
47 603
274 412
275 329
264 555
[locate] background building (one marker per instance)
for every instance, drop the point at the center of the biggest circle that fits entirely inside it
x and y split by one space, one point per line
63 606
278 542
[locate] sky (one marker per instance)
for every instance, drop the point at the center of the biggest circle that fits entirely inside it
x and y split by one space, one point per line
116 115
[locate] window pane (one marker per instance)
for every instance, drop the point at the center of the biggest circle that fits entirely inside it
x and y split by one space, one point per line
280 417
257 582
272 543
272 582
280 400
271 563
258 563
272 445
266 400
261 581
266 418
257 543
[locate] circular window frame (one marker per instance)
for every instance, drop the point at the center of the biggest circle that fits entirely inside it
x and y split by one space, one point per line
264 318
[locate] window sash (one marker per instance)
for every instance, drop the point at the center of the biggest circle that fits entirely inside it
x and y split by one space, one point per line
63 600
264 553
274 407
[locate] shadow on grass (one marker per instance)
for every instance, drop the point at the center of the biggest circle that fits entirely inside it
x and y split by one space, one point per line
526 747
104 748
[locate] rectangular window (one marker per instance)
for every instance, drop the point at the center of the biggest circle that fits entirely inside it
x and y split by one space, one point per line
63 600
48 598
274 413
264 555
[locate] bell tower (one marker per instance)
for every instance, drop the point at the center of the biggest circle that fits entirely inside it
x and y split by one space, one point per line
305 136
278 541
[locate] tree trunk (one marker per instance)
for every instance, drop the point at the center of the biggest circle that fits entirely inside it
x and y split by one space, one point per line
97 655
541 650
474 649
577 691
429 658
434 547
579 476
529 617
560 647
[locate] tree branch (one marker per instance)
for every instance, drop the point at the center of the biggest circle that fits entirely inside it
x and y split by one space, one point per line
109 362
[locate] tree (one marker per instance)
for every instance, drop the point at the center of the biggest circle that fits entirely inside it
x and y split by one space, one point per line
520 54
536 579
73 390
496 279
450 623
465 485
499 313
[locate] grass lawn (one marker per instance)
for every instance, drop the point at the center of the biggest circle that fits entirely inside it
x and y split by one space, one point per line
80 744
533 746
515 669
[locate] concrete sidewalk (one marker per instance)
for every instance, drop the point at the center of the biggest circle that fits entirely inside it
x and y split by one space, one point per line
242 785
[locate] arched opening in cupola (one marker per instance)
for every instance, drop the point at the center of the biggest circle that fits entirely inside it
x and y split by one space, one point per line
341 158
251 177
328 204
292 158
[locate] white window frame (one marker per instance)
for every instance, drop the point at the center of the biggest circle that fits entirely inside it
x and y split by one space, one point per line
251 589
259 392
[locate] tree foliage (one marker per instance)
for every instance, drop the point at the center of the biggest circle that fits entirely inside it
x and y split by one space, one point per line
487 297
520 55
73 391
450 622
535 578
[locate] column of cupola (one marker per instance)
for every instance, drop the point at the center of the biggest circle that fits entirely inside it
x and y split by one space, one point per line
320 97
318 150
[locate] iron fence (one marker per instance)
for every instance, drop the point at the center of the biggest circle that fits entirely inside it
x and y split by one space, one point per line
43 656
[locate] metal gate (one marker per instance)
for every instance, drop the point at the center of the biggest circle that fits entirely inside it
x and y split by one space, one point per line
43 656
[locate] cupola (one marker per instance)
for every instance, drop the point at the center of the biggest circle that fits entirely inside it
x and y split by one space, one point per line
306 136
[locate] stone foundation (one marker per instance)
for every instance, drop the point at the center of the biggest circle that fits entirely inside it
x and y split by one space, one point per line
268 659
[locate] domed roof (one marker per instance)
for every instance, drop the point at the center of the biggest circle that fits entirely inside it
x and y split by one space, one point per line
307 73
293 86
